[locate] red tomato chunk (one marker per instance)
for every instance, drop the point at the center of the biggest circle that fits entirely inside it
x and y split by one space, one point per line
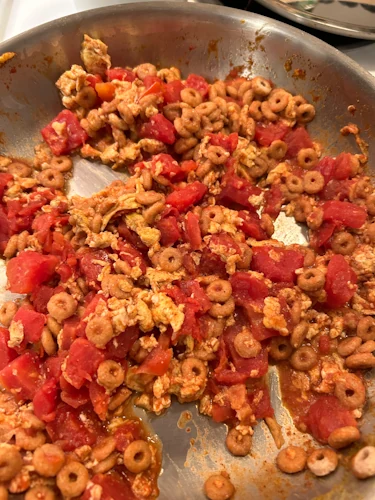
277 264
30 269
340 282
64 133
22 377
159 128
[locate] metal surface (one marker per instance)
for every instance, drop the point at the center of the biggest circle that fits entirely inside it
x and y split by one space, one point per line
346 18
210 41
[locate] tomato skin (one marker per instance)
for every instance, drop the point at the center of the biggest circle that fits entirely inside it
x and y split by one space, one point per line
30 269
266 134
251 225
228 142
172 91
185 197
7 354
72 396
122 74
193 231
170 232
82 362
157 362
45 401
281 270
32 322
340 282
22 376
344 212
326 415
99 399
273 200
296 140
159 128
197 82
71 137
320 237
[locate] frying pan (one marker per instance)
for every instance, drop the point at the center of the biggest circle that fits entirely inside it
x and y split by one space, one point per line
211 41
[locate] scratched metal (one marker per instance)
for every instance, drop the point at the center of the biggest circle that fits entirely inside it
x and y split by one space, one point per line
211 41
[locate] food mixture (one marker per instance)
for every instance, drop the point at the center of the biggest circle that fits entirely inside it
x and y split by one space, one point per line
170 286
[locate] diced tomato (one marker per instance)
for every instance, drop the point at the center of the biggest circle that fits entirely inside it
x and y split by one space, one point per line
7 354
150 80
4 180
30 269
296 140
159 128
5 231
326 415
211 263
40 297
222 413
22 377
127 433
132 256
105 91
195 294
157 362
258 330
91 268
336 190
340 282
185 197
72 396
122 74
247 289
52 366
113 487
172 91
197 82
131 237
71 135
170 232
226 242
193 231
237 191
260 403
119 346
45 401
251 225
321 236
273 200
344 212
343 166
73 428
324 344
167 166
266 134
32 322
228 142
326 167
93 80
82 362
188 166
277 264
99 399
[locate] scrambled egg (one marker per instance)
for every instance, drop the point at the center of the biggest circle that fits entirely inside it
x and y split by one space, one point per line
279 171
273 317
165 312
149 235
16 334
7 56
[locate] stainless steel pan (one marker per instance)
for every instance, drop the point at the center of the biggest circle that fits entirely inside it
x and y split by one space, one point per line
212 41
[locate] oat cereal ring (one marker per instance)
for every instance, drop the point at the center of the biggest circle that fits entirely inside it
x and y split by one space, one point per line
349 390
366 328
51 178
237 443
191 97
343 243
278 100
277 150
304 359
291 459
261 86
194 368
61 306
110 374
322 462
48 459
360 361
40 492
190 120
99 331
348 346
86 97
280 348
72 479
137 456
7 312
20 169
311 280
255 110
343 437
294 184
245 344
259 168
313 182
307 158
218 310
218 487
145 69
217 155
10 462
363 463
61 163
305 113
219 291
